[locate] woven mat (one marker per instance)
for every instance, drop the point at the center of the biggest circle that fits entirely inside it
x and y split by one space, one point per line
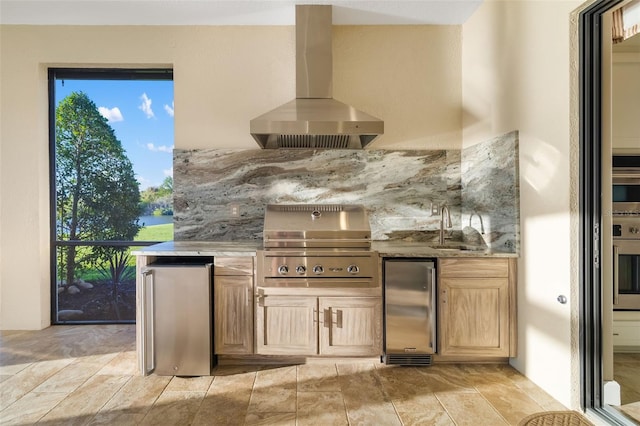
556 418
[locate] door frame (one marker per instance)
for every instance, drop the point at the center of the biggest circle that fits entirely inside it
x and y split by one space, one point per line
590 211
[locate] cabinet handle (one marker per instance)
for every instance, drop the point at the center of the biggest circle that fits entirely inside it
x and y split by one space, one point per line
150 333
616 275
339 318
327 318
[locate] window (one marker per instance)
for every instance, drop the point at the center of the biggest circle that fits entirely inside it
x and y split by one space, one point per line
111 142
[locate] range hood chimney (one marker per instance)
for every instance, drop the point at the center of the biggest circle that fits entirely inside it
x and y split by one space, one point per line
314 119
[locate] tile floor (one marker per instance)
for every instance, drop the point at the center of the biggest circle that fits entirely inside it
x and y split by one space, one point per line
86 375
626 371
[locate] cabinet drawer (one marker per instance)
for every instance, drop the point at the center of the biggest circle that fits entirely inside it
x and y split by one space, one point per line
240 265
626 333
473 267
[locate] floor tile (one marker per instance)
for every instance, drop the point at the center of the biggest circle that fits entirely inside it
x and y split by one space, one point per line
75 374
88 375
271 419
28 379
30 408
321 408
124 364
82 404
275 399
318 377
469 409
116 418
632 410
194 384
174 408
136 396
227 400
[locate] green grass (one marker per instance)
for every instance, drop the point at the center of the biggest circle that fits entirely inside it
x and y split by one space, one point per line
148 233
155 233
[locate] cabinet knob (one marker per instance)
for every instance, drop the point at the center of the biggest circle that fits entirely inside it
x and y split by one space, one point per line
562 299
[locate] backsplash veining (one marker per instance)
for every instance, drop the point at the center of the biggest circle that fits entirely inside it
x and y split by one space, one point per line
396 187
491 193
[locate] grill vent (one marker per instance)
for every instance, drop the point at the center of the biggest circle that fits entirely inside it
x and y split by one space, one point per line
310 208
402 359
314 141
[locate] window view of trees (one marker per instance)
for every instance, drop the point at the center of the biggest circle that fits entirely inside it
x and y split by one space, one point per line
101 211
97 195
158 200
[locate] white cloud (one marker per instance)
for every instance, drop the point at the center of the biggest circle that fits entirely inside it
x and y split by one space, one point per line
144 182
169 109
112 115
145 106
161 148
168 172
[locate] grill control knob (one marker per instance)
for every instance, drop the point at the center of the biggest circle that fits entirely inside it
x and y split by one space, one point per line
283 270
353 269
634 230
318 269
301 269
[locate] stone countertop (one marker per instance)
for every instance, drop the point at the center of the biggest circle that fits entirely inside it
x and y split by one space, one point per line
201 248
249 248
397 248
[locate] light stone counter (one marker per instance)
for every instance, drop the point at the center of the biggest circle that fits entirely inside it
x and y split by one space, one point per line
201 248
391 248
395 248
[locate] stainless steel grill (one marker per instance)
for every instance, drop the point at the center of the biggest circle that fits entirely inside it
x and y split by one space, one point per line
311 245
316 226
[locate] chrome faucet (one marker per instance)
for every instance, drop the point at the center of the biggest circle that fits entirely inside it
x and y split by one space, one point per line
444 221
479 217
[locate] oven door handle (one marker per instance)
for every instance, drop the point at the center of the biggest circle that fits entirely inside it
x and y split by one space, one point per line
616 275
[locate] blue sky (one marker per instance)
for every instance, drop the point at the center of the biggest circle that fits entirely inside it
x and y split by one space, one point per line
141 114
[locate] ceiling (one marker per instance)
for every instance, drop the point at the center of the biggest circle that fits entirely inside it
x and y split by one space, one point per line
228 12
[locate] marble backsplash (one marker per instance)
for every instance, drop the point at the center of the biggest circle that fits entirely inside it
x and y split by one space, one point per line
397 187
491 193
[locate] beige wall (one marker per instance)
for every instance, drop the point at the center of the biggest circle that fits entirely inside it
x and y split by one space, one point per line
626 101
410 76
516 76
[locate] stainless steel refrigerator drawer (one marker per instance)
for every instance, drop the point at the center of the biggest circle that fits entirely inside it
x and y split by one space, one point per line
410 318
178 320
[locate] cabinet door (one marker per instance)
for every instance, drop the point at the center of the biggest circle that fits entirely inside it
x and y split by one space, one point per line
350 326
287 325
474 316
233 301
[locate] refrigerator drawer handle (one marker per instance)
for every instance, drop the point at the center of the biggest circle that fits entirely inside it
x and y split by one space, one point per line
147 324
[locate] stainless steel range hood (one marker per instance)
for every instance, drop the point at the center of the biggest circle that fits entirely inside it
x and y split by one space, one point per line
314 119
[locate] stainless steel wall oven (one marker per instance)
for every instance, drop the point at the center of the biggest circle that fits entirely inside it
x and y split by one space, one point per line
626 232
626 185
626 263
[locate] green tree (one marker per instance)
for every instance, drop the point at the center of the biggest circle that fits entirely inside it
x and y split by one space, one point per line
97 193
158 200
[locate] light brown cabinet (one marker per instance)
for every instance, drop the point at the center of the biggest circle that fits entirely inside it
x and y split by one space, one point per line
233 305
287 325
350 326
310 325
476 307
